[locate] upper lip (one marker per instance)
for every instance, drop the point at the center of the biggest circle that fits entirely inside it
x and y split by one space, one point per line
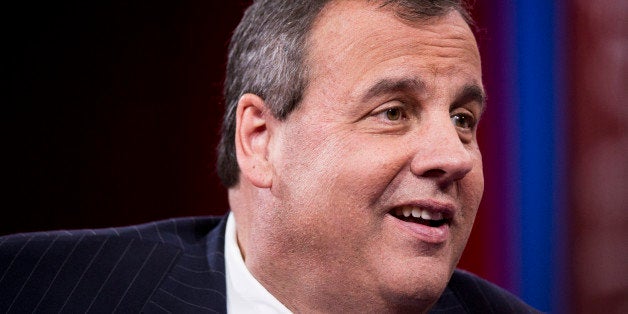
447 209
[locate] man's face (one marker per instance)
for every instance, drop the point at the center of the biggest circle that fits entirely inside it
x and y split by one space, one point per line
386 129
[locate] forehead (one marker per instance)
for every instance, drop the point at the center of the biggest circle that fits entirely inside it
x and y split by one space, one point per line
350 39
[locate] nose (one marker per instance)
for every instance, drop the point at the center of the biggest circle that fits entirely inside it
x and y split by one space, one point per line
440 153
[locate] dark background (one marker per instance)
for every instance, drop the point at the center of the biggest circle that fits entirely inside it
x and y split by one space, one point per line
112 111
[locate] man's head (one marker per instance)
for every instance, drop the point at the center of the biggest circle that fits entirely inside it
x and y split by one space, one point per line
267 58
357 115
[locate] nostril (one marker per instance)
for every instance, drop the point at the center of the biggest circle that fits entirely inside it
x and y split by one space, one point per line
446 174
434 173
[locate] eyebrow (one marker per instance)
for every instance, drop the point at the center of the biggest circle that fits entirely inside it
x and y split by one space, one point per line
472 93
387 86
469 93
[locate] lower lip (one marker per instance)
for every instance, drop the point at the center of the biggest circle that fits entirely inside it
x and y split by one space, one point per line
427 234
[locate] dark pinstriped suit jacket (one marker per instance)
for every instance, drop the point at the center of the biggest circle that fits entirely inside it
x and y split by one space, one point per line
175 266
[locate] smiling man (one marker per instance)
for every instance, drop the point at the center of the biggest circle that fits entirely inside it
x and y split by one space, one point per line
360 173
350 152
362 198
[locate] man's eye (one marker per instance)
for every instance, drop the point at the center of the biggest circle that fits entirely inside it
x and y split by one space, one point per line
393 114
463 121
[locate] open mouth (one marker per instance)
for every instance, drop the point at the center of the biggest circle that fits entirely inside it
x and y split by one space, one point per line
424 217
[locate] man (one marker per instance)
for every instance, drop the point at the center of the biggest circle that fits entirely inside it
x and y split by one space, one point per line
349 149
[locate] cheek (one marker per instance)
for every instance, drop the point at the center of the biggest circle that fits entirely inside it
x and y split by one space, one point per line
478 178
324 189
334 179
472 190
305 165
365 167
338 159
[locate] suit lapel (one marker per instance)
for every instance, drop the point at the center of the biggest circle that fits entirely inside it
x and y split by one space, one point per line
196 281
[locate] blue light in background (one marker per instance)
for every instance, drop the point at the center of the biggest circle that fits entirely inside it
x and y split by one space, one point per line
540 133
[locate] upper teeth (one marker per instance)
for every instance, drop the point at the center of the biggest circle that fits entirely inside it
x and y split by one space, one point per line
418 213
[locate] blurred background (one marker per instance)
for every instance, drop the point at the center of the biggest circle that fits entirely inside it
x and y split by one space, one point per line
112 111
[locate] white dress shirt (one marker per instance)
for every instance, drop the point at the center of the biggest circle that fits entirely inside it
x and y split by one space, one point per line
244 293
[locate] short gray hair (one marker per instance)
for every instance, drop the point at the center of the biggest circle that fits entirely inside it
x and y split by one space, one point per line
267 58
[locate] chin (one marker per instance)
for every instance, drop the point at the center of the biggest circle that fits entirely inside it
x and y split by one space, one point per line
421 288
417 301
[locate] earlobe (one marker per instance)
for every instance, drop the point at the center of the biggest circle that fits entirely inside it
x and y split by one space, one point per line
252 140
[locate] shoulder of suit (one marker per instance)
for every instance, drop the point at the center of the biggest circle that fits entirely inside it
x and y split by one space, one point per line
113 268
171 231
478 295
184 235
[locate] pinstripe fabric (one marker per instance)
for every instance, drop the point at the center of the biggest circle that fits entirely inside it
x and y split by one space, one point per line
467 293
157 267
172 266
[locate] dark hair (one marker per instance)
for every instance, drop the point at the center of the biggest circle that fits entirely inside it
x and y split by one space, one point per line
267 58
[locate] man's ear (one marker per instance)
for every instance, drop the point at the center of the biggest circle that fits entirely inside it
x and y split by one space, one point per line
252 138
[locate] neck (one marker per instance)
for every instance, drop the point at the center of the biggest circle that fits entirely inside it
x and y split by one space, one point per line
299 282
